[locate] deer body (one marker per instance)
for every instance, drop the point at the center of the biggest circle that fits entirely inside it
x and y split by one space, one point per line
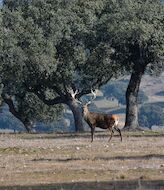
101 120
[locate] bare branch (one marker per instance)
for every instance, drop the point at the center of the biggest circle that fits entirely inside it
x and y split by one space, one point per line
56 100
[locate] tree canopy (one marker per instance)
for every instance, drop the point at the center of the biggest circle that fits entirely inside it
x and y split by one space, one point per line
48 44
136 32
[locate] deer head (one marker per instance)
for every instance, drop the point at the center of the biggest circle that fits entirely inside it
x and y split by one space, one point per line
84 105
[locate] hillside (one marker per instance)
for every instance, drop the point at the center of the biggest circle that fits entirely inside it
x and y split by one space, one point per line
153 85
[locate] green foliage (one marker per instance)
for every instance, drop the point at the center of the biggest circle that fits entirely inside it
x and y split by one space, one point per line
151 115
118 90
52 45
32 107
135 31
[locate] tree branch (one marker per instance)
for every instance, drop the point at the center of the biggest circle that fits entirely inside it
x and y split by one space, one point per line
57 100
8 100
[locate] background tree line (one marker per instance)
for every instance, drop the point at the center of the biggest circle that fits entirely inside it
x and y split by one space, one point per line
51 46
117 89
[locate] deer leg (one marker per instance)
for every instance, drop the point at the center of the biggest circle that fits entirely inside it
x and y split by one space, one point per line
111 135
118 130
92 133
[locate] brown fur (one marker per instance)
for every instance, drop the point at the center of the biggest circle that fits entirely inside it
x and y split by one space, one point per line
101 120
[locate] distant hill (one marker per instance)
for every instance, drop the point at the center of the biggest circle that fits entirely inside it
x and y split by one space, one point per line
152 85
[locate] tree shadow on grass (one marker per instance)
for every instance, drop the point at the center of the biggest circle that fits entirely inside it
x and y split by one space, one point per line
98 134
138 157
104 185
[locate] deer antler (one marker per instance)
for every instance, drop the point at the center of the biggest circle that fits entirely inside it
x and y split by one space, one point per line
94 93
94 96
73 94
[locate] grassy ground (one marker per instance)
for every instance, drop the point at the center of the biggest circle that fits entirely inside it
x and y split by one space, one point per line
62 159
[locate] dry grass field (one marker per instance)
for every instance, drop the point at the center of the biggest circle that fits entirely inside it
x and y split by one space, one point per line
70 161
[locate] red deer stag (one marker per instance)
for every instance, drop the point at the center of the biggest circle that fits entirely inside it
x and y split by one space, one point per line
101 120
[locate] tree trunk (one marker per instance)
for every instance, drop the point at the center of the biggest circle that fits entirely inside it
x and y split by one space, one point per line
28 124
131 121
25 121
77 114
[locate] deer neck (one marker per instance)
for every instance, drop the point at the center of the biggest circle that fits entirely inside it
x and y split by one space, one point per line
86 112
